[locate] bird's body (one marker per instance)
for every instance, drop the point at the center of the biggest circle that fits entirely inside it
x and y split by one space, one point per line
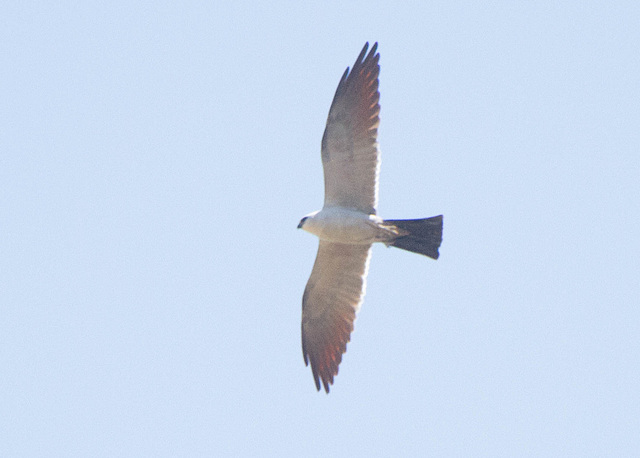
347 225
343 225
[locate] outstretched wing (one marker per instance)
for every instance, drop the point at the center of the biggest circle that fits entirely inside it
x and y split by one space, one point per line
350 153
331 300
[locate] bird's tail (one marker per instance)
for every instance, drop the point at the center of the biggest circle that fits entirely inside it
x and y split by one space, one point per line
422 236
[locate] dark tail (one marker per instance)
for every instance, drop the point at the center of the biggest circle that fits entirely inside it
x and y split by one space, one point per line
422 236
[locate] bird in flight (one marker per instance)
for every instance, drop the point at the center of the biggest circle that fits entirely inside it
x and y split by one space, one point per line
347 225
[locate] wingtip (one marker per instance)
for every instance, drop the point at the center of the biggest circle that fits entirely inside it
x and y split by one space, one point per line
364 53
314 372
321 381
366 45
316 379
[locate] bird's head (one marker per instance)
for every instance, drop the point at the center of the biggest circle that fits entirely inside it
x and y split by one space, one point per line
305 219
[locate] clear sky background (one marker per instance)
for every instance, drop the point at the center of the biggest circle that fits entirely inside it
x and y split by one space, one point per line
156 157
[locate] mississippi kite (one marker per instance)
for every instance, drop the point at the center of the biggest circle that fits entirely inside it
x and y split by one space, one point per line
347 225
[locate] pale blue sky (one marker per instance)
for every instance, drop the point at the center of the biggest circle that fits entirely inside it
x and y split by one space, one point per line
155 159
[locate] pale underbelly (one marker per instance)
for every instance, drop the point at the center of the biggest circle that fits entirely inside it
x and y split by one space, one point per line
353 231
